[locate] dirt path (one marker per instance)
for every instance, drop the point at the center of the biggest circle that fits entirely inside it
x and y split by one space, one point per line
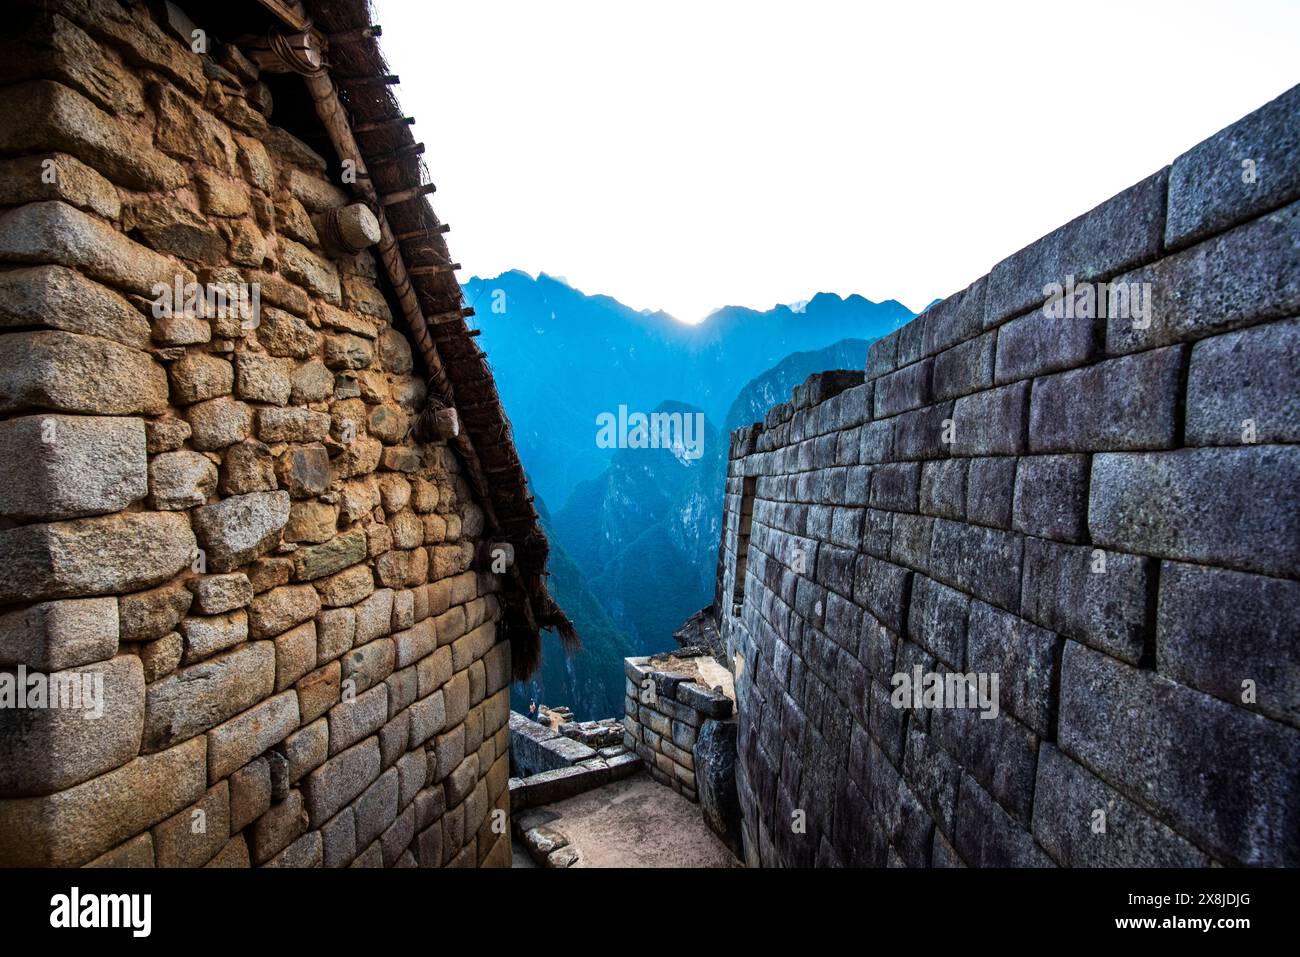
638 823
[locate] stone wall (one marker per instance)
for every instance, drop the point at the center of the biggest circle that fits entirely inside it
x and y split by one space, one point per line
223 519
549 764
537 747
665 708
1100 511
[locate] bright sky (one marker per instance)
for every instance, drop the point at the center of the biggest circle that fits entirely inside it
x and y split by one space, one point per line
689 154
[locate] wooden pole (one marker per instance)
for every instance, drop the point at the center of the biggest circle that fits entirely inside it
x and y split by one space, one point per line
435 270
445 317
384 124
356 36
397 155
362 82
405 195
424 233
289 12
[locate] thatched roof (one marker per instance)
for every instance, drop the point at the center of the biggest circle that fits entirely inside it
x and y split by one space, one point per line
458 370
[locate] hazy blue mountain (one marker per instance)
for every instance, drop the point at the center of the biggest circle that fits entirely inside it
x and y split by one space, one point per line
634 545
634 550
645 534
777 383
590 681
561 357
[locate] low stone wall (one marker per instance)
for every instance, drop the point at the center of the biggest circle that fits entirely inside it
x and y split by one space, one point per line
547 765
664 712
535 748
605 735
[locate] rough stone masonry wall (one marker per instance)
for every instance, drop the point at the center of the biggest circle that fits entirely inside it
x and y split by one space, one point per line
330 689
663 714
1103 531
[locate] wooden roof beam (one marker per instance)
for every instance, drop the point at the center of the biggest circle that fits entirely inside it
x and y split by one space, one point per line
442 318
356 36
434 270
405 195
397 155
288 12
364 82
380 125
423 233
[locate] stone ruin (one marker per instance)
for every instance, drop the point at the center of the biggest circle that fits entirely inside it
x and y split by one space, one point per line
1095 504
269 558
270 562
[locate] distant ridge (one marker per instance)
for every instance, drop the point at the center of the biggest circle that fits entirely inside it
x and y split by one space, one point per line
776 384
561 357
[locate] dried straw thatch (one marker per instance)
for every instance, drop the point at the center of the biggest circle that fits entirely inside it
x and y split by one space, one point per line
458 370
